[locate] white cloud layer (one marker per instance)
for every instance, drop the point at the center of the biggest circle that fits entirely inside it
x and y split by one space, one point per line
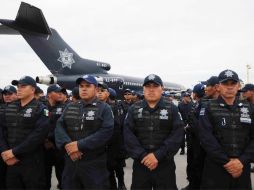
183 41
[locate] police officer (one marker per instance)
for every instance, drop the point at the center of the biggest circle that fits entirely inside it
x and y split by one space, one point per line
184 108
211 89
194 167
248 93
64 96
83 131
9 94
153 133
227 135
75 94
21 140
54 157
114 163
121 153
123 109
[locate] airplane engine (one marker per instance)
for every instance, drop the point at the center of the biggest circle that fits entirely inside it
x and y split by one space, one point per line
46 80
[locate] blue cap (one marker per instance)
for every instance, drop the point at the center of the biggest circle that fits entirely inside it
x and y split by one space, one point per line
127 90
112 93
26 80
212 81
38 90
54 88
153 79
166 94
199 89
9 89
247 87
228 75
186 94
87 78
103 86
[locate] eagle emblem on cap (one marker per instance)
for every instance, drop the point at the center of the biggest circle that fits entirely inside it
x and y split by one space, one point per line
151 77
229 73
7 87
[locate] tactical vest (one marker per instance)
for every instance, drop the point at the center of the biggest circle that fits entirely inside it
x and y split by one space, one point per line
152 128
56 112
81 121
231 127
20 122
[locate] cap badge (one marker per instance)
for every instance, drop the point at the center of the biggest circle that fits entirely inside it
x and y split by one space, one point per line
7 87
229 73
151 77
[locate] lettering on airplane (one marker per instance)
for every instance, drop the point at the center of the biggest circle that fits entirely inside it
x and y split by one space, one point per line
101 64
66 58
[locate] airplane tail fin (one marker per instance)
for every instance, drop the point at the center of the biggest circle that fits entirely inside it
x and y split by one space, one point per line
29 18
54 52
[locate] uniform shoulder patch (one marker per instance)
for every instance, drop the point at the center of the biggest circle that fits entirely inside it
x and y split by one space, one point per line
45 112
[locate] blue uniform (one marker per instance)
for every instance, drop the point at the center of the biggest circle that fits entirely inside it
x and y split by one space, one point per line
91 126
28 148
163 120
214 175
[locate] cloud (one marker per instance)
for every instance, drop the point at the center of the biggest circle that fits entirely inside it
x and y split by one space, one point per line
182 41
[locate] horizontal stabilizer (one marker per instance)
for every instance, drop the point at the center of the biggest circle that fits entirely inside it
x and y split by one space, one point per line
7 30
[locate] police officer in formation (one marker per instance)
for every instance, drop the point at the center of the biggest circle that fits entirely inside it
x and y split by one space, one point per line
211 88
23 129
114 161
193 169
83 131
9 95
227 134
248 94
185 107
153 133
75 94
54 157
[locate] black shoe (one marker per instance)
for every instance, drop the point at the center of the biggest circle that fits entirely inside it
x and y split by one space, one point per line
252 170
185 188
182 152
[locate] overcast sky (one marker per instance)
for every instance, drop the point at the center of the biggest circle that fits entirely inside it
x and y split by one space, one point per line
183 41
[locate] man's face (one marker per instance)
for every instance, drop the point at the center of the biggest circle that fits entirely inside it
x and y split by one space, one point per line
87 91
210 90
187 99
102 94
9 97
55 96
25 91
152 92
248 94
128 96
228 89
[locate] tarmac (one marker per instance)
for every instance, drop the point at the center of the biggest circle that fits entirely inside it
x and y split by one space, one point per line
181 181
